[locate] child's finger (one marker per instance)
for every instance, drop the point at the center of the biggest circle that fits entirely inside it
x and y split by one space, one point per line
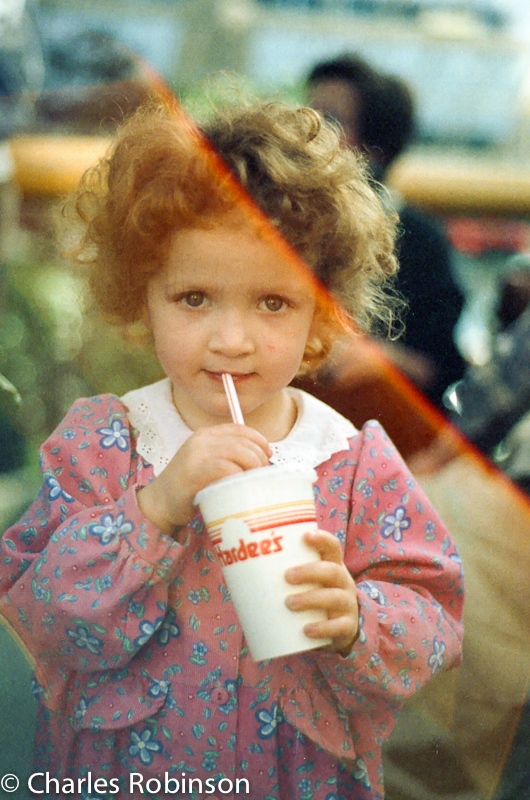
247 433
245 446
326 544
334 601
324 573
244 453
341 630
341 625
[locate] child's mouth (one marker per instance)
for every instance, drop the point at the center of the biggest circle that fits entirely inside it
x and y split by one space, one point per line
237 377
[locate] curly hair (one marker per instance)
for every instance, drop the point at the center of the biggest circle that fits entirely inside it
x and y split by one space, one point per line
161 176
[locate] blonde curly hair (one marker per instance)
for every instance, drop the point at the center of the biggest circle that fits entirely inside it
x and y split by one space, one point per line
162 175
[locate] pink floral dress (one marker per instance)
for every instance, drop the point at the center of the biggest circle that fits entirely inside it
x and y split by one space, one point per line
141 666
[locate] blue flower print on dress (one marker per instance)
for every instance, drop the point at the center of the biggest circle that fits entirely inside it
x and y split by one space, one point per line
147 630
40 592
375 593
361 638
136 608
195 596
209 763
158 688
406 680
199 650
80 710
269 721
374 660
56 491
395 524
336 482
105 582
305 789
231 703
341 535
397 629
117 434
361 773
437 658
169 629
83 639
143 746
429 527
367 491
28 536
108 528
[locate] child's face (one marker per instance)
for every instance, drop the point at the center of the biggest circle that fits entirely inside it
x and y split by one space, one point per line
226 301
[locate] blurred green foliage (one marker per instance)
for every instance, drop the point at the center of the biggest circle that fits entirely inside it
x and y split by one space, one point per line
53 349
225 89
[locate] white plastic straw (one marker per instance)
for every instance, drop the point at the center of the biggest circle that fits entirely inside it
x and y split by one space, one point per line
231 396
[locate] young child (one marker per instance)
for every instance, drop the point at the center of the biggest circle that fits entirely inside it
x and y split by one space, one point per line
145 682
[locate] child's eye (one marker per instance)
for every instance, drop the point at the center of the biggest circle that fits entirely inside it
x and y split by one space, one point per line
272 303
193 299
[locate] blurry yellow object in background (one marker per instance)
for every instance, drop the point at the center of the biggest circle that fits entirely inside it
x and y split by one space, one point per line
49 165
462 184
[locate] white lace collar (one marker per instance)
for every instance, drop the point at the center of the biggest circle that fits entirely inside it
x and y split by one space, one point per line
318 433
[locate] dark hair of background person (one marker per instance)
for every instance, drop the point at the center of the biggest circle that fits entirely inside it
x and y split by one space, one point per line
376 112
385 115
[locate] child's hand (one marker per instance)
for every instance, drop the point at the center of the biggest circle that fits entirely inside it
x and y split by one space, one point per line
208 455
336 593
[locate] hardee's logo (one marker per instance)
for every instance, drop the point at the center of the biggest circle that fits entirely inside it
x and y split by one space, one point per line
249 550
240 527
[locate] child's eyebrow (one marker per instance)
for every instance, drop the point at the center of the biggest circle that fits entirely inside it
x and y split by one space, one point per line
180 284
282 288
285 291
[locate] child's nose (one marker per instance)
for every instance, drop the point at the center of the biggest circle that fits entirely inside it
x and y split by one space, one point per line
232 336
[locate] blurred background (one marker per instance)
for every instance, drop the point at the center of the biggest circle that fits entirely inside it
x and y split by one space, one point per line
71 69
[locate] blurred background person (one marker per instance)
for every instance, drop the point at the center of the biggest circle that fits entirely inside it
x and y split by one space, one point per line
376 114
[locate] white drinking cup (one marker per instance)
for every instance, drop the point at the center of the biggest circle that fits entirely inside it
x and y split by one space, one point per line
256 520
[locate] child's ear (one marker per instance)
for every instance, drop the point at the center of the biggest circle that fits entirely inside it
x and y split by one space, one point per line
316 323
326 327
145 316
315 347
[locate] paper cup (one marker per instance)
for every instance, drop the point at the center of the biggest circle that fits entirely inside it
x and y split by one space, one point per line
256 520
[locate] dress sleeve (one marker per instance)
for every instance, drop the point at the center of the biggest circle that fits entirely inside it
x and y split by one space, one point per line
409 582
84 576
